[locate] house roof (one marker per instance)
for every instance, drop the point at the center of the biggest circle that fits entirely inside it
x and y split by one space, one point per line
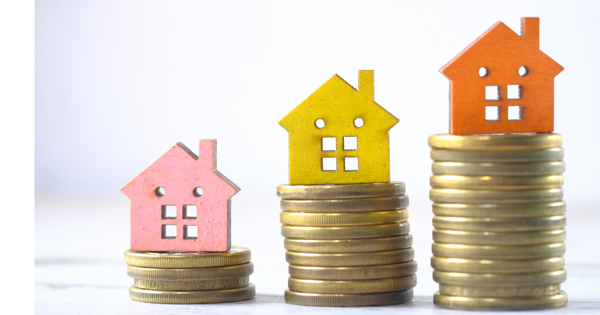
180 164
337 92
500 44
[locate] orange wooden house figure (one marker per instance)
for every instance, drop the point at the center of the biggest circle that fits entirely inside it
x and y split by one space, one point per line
502 83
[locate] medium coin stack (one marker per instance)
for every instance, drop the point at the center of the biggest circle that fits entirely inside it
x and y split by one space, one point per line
499 224
347 245
190 277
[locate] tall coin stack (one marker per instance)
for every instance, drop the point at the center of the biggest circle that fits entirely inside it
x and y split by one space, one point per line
499 224
190 277
347 245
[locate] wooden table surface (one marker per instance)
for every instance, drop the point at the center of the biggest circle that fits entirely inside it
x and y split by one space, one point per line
79 265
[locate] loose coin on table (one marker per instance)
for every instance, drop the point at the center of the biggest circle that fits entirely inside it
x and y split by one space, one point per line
346 191
343 219
191 274
201 285
500 304
532 141
524 210
354 273
192 297
495 196
236 256
350 259
508 156
364 299
486 292
346 205
352 286
497 266
498 252
500 224
498 169
500 280
499 238
345 232
496 182
349 245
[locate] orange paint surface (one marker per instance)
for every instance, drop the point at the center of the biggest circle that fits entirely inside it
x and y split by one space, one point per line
502 52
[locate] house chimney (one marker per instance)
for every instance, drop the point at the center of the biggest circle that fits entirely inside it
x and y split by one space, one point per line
530 30
208 152
365 83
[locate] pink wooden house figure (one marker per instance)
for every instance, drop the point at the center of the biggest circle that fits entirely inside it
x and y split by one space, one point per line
181 202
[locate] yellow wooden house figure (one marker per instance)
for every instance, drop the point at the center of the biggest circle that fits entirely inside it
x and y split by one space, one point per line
339 135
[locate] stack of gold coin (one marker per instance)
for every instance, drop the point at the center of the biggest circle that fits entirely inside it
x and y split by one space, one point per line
190 277
499 224
347 245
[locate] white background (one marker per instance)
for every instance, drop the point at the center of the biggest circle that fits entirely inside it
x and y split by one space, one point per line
118 83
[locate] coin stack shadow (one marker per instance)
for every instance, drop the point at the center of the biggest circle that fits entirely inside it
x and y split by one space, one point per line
499 224
347 245
190 277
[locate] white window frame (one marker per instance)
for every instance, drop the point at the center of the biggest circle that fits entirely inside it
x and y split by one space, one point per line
349 161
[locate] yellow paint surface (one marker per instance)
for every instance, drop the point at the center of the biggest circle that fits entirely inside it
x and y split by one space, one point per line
338 104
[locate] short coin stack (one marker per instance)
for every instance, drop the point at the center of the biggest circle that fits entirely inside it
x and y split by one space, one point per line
347 245
499 224
190 277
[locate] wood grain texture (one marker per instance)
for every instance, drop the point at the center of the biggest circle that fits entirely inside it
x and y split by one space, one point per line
179 172
502 52
339 104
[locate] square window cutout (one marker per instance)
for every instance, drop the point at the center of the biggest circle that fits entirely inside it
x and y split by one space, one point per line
351 164
514 92
190 211
492 113
190 232
329 164
515 112
169 212
328 144
169 231
492 93
350 143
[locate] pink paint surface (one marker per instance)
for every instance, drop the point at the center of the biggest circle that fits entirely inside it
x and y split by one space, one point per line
179 171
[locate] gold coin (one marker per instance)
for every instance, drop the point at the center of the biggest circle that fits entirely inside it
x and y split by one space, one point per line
342 219
530 141
497 266
526 291
499 238
500 304
354 273
352 286
505 156
499 252
350 259
349 245
236 256
192 297
500 280
191 274
348 232
345 191
346 205
496 182
498 169
526 210
365 299
202 285
500 224
495 196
